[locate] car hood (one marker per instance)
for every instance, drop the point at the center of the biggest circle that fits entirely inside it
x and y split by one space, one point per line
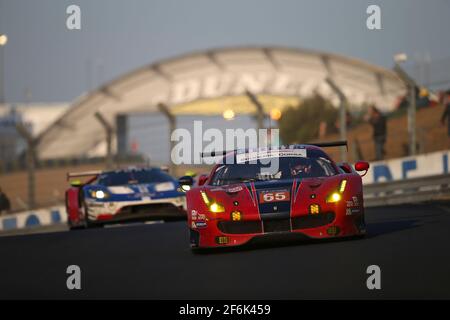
140 191
275 196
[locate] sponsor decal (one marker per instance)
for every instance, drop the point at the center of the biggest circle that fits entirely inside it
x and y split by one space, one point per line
194 214
352 206
142 188
235 189
200 224
350 211
143 192
258 155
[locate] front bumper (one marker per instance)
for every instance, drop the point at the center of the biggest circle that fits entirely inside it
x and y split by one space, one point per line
136 210
314 226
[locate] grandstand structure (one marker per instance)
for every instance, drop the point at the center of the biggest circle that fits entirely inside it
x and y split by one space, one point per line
207 83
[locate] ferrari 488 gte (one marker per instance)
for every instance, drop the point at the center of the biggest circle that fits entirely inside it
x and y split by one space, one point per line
288 189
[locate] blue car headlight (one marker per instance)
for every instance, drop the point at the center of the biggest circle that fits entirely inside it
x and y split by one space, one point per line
99 194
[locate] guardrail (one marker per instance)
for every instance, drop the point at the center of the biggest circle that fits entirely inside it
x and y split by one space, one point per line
411 190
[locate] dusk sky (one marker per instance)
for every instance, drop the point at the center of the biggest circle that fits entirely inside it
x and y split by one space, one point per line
57 64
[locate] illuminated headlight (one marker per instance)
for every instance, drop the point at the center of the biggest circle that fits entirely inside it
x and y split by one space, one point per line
165 186
334 197
99 194
185 187
216 208
337 196
212 205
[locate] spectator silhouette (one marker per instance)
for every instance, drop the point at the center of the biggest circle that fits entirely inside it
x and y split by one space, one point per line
378 122
5 205
446 113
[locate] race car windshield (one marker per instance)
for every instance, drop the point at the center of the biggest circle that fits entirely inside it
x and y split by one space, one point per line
288 168
133 177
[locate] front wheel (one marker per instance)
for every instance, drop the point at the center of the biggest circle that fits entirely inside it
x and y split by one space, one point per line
194 238
75 227
78 226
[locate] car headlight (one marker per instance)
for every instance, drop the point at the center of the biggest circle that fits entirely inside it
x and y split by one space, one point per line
185 188
337 196
211 204
334 197
216 208
99 194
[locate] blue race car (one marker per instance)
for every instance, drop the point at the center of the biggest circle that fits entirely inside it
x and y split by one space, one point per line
124 195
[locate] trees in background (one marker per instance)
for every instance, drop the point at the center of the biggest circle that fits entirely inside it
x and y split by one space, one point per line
301 123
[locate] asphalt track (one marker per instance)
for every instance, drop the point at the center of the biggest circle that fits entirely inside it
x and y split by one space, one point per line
410 243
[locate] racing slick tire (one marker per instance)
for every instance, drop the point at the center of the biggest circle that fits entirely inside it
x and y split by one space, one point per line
76 227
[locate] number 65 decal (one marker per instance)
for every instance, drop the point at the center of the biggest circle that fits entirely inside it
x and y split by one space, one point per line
274 196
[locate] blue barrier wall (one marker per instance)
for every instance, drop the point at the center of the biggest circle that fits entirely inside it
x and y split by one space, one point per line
33 218
435 163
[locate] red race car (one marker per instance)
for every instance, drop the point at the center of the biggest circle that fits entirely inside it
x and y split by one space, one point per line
288 189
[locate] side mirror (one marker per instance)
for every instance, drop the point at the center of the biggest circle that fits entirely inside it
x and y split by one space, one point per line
75 183
186 182
346 167
362 166
202 179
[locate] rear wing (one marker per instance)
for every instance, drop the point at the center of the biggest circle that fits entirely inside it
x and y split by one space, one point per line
213 154
83 174
342 143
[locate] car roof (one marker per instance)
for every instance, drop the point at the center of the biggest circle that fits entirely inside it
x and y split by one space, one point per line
130 169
